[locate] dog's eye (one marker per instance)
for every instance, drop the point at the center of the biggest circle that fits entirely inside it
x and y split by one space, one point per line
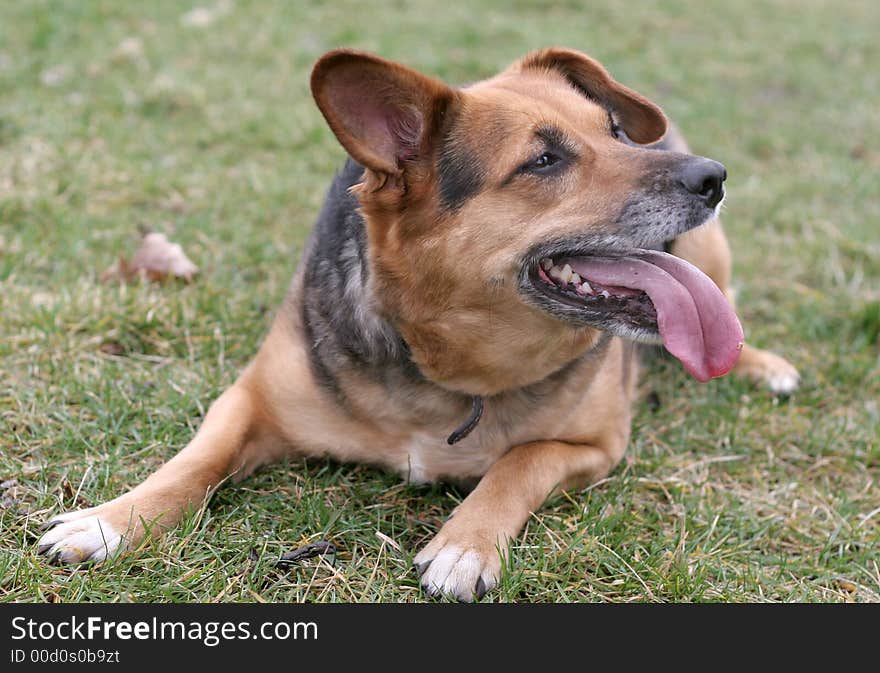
548 163
544 161
544 164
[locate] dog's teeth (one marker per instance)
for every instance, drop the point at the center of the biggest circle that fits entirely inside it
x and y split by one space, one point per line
566 274
546 264
575 279
555 272
584 288
605 294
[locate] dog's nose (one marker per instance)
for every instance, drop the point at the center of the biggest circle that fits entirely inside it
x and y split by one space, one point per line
704 178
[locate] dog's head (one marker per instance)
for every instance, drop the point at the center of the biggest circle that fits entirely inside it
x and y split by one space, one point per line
508 221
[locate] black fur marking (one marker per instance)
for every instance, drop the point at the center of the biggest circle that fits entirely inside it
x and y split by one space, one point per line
342 328
459 174
557 140
320 370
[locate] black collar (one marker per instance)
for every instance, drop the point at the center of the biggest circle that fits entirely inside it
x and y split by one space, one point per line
470 423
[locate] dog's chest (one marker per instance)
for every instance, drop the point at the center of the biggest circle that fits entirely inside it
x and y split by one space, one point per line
507 421
426 457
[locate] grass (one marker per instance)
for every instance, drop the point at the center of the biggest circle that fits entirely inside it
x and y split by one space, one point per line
115 117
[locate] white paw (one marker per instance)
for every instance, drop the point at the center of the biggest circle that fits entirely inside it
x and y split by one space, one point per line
457 572
778 375
769 370
77 537
783 382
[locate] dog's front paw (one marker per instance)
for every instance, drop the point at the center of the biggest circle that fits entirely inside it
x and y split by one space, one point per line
769 370
79 537
464 568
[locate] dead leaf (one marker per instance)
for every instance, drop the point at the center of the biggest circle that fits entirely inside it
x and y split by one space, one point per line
155 260
112 348
847 585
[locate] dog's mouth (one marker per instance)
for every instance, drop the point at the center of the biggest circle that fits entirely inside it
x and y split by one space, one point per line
646 296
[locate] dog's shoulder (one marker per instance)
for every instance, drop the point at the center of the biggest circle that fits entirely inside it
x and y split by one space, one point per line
343 328
339 219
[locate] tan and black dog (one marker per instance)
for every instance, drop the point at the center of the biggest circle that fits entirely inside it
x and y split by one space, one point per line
467 305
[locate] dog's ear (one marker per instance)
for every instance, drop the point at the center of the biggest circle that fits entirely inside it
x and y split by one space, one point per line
384 114
643 121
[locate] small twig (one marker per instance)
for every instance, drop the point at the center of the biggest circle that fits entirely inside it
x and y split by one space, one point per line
312 550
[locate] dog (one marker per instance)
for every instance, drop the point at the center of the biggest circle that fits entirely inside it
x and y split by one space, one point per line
469 304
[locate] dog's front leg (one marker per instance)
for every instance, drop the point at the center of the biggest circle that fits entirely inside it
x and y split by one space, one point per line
464 559
228 443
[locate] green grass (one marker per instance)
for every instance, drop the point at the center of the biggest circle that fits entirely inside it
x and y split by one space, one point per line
115 117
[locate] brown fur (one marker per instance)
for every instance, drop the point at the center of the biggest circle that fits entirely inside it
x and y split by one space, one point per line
558 416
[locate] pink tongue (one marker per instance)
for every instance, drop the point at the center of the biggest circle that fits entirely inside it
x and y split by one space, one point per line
696 322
